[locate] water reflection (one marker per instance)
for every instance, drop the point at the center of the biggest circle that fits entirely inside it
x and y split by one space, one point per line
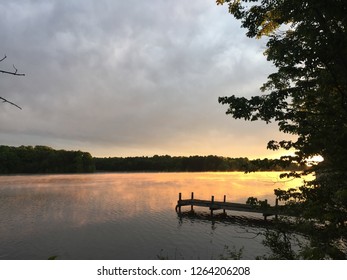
241 219
88 216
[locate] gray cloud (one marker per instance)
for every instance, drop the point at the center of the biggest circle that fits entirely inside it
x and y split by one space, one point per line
129 77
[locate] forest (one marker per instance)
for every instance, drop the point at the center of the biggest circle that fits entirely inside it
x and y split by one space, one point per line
45 160
196 163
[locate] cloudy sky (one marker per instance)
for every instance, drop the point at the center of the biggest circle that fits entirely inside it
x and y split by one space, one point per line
126 78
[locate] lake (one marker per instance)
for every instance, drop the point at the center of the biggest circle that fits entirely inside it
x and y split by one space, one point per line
126 215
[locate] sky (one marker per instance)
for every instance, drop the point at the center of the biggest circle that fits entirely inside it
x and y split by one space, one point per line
130 78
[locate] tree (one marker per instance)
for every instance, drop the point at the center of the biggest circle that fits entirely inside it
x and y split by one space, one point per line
306 97
15 73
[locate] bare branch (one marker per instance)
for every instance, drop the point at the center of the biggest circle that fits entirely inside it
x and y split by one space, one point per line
12 73
3 58
6 101
16 70
15 73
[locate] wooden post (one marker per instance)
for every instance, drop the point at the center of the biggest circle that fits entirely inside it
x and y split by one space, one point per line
265 210
276 209
191 206
179 202
224 200
212 202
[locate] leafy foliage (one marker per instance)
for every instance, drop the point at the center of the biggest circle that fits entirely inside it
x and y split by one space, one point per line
188 164
306 97
231 254
280 243
42 159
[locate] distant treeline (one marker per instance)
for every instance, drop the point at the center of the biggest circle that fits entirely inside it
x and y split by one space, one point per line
189 164
42 159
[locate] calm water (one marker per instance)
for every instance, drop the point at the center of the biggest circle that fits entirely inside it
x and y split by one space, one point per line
125 216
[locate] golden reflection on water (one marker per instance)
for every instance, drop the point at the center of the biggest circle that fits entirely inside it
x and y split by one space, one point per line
77 200
123 215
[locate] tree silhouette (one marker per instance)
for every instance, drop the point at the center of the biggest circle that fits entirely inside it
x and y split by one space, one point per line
15 73
306 97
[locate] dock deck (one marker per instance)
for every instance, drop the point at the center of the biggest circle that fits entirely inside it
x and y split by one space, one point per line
266 210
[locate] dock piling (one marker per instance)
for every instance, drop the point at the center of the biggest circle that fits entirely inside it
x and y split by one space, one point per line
212 202
224 200
179 202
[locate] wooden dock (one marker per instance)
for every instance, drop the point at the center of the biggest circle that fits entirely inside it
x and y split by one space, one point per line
266 209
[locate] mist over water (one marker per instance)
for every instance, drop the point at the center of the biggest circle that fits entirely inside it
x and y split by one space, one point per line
126 215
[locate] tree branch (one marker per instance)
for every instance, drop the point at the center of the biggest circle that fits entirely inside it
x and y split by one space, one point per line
3 58
6 101
15 73
12 73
